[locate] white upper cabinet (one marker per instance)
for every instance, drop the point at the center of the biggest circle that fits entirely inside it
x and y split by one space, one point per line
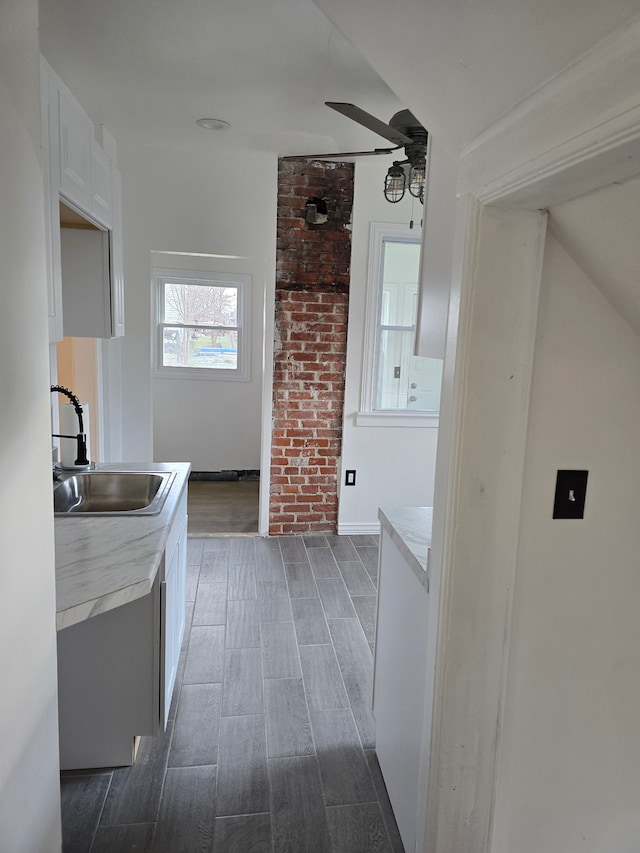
80 174
76 133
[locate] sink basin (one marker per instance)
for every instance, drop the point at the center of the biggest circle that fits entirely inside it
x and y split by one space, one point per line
112 493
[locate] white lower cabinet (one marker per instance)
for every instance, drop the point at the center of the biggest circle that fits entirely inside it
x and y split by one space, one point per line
399 683
117 670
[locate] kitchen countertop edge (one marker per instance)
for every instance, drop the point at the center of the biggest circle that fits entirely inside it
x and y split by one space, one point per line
410 530
103 562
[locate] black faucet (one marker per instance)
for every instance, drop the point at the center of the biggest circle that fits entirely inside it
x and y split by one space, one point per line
81 437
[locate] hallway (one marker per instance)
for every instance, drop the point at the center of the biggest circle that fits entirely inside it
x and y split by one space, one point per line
270 743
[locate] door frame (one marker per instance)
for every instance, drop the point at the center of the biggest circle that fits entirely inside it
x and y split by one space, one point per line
579 132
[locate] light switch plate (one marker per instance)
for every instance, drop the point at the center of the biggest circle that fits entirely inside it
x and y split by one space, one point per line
571 492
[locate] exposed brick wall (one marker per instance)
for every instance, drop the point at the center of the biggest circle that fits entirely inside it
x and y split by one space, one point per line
312 301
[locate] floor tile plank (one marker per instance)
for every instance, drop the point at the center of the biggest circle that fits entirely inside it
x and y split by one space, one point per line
300 580
322 678
358 829
343 767
274 602
335 598
242 550
210 604
82 800
279 651
128 838
195 733
205 655
356 577
269 562
245 834
309 620
134 793
243 625
365 606
323 563
293 549
242 682
341 547
288 726
242 581
299 820
242 770
383 798
213 568
187 811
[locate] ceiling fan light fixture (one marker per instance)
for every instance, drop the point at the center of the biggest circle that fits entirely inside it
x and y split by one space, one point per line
417 175
213 123
395 184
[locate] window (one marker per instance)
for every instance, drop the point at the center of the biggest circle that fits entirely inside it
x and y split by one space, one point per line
399 388
202 325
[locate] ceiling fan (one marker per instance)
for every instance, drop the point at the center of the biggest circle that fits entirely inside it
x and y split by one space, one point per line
405 131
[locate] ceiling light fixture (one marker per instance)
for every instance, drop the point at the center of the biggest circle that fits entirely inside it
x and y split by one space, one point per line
213 123
395 183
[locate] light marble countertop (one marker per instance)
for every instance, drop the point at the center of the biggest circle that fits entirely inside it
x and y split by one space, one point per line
103 562
410 529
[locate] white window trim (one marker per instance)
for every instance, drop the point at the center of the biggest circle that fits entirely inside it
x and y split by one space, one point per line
368 416
243 371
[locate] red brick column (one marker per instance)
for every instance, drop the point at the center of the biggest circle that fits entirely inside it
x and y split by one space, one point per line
312 300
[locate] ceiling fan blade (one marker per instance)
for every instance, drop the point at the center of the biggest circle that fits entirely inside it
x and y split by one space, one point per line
370 122
342 154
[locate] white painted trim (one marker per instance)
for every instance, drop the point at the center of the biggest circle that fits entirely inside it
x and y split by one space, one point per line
353 528
268 333
445 500
491 389
401 418
579 131
378 232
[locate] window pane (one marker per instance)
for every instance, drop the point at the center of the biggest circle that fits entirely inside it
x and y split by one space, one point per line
393 369
399 296
201 347
406 381
200 303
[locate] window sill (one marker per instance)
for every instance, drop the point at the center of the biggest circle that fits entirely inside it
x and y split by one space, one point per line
398 419
201 373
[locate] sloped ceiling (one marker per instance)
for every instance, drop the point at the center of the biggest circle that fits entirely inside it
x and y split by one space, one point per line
601 232
461 64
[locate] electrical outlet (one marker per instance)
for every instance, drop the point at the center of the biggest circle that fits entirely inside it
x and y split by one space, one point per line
350 478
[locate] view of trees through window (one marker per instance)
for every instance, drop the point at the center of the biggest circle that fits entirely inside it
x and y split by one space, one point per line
199 324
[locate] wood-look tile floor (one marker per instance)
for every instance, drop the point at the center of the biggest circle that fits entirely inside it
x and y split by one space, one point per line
270 744
217 507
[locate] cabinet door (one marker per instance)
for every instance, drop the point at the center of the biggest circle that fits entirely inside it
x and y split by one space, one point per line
173 591
75 153
86 289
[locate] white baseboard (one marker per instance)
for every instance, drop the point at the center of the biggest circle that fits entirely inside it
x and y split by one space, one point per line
349 528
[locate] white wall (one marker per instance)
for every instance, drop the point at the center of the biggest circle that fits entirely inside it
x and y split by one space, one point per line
394 465
201 203
29 769
569 768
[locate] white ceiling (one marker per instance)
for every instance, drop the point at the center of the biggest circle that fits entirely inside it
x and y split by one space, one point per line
147 69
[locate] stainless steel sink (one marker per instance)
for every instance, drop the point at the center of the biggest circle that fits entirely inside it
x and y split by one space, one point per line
112 493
